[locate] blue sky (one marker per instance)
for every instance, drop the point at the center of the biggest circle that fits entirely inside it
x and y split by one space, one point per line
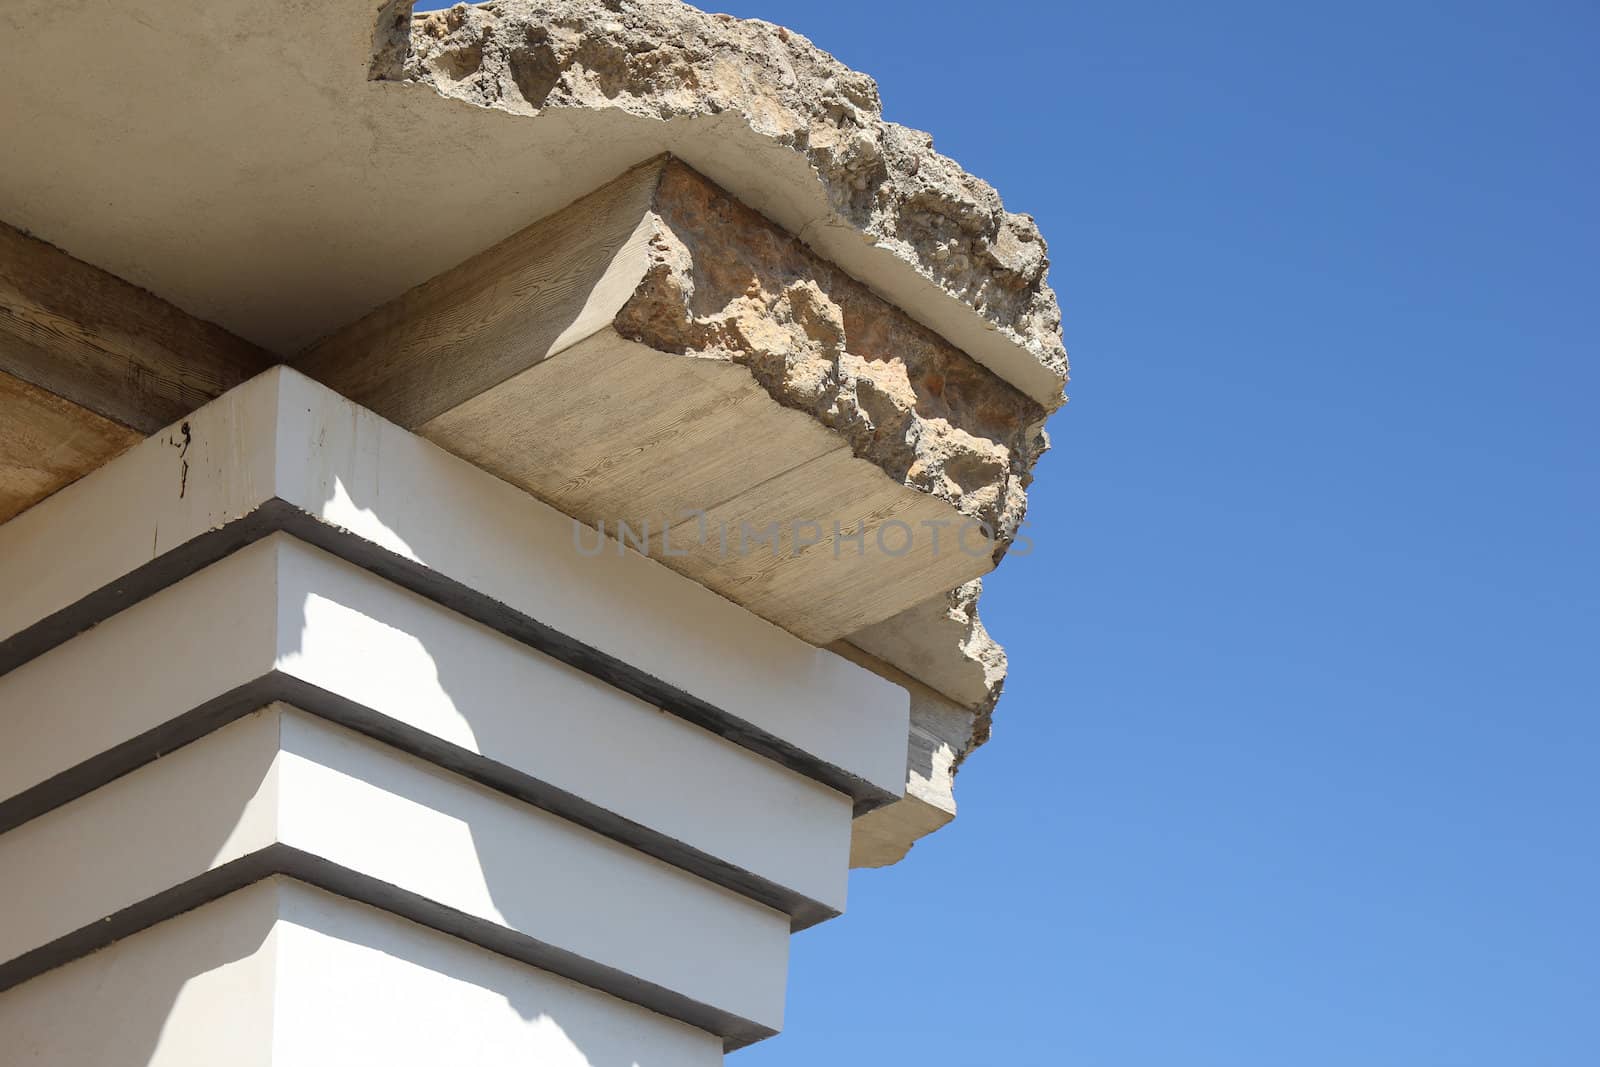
1299 762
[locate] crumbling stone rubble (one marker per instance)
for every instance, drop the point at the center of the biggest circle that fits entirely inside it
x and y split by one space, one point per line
664 60
723 281
929 413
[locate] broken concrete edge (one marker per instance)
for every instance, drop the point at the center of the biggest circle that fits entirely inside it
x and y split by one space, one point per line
869 195
673 262
678 266
943 644
721 280
944 657
941 736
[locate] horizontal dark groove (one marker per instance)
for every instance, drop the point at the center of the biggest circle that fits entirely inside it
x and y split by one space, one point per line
212 715
803 912
170 567
735 1032
130 755
202 889
280 859
481 607
279 515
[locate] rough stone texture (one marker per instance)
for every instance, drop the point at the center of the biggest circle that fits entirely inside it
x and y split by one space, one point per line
663 60
724 282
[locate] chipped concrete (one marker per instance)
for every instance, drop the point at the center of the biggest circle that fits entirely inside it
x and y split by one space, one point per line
941 735
278 190
508 359
954 671
666 61
943 644
722 281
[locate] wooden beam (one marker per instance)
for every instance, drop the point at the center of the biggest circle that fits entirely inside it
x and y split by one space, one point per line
104 345
539 291
47 442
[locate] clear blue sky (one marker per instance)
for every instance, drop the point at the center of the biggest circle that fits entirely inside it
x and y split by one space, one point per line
1299 763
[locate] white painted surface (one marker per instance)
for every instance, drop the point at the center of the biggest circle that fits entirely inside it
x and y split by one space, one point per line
283 974
282 434
391 650
189 643
411 979
194 991
282 776
281 604
141 505
188 812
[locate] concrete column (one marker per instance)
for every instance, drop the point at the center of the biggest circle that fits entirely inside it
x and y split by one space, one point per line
319 745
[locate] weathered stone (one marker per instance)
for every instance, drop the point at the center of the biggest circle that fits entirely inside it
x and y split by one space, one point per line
664 60
348 184
724 282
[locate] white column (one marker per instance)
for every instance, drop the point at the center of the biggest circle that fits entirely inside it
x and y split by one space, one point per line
320 745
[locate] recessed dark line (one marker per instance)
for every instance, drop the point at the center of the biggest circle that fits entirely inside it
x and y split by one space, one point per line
277 514
130 755
479 606
143 581
735 1031
281 859
215 883
803 911
212 715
